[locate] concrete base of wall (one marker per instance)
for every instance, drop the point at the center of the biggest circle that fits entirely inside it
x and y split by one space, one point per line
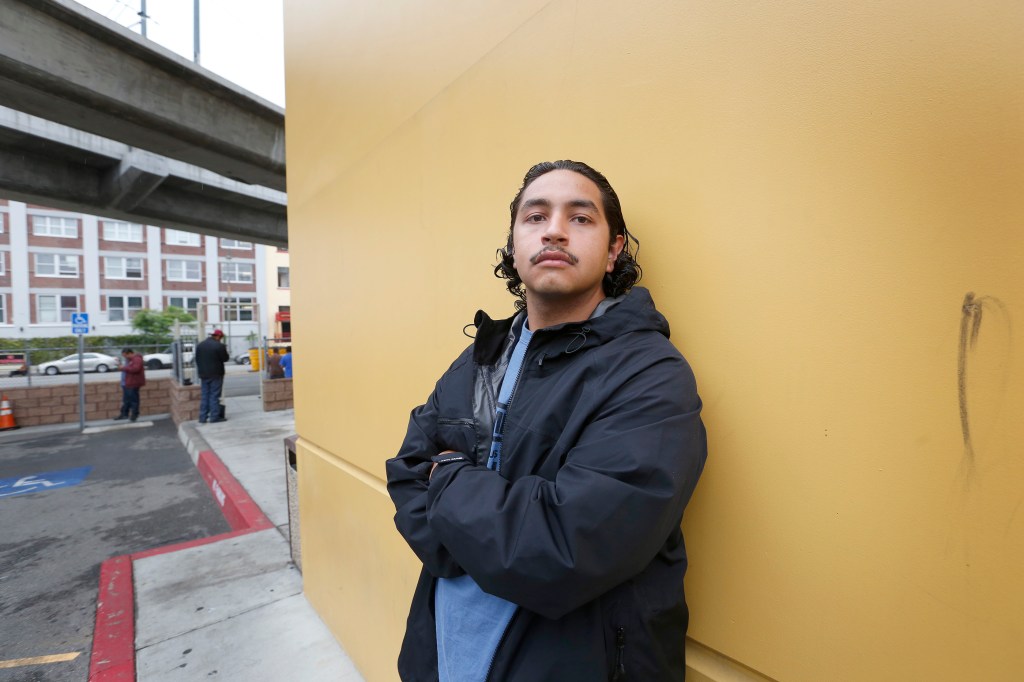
277 395
707 665
42 405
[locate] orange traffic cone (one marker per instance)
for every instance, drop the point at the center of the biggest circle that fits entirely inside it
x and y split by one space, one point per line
6 415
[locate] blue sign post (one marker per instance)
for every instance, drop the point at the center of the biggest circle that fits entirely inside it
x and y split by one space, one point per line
80 326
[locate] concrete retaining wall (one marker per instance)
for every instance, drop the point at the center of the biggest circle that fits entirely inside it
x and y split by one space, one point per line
38 405
184 402
277 395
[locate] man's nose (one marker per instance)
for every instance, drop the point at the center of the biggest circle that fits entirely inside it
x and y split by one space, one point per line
556 229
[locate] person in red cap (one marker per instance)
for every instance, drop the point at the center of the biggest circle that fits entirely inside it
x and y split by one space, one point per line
211 355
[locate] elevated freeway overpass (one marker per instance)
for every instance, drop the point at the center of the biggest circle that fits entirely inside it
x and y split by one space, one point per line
98 119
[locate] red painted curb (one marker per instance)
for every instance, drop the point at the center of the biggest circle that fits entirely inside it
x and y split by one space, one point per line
240 510
113 642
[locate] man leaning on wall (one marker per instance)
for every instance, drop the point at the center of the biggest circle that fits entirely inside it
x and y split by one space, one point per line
543 482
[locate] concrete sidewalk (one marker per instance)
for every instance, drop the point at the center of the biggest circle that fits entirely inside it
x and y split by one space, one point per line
233 609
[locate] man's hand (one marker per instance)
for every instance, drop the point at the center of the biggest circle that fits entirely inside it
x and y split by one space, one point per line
445 452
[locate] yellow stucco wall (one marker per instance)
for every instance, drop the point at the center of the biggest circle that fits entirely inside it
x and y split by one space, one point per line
817 187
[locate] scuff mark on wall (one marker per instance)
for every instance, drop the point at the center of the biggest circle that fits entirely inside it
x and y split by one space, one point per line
970 325
971 314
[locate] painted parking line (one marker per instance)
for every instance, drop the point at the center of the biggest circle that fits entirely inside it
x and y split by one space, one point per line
39 660
115 427
47 480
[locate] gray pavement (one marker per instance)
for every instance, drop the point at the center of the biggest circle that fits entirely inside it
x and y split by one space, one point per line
70 500
234 609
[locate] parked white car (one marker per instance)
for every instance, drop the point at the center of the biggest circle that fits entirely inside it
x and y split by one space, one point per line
91 362
164 359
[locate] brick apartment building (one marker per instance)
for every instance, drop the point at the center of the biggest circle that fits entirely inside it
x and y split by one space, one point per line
54 263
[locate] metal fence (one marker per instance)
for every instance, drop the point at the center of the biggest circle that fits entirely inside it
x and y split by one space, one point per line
21 367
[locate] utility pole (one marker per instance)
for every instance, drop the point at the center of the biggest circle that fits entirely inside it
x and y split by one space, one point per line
195 31
144 16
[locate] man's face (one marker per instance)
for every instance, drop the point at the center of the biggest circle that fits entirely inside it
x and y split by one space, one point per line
561 238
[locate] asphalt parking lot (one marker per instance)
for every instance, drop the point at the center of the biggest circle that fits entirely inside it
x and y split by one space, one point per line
68 501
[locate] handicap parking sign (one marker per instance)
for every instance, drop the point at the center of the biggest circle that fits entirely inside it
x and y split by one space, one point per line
79 323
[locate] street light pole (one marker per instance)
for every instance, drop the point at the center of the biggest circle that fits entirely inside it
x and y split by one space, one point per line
230 304
195 32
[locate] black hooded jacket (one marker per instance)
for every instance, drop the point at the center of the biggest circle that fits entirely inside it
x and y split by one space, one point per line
603 445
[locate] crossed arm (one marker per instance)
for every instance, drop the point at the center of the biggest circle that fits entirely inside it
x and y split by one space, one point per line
553 545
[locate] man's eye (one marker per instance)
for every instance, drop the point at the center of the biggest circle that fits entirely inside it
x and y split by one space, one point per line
535 218
581 219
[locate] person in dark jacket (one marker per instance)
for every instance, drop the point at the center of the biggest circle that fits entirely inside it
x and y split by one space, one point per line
133 378
543 482
210 357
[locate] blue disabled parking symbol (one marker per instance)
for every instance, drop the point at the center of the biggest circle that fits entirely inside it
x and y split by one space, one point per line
47 480
79 323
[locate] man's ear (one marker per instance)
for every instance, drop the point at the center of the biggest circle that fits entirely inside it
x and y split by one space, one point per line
614 249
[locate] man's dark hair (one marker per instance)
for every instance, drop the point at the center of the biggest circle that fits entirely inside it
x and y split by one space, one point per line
627 271
127 351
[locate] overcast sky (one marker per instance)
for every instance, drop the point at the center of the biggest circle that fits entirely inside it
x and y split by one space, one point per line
241 40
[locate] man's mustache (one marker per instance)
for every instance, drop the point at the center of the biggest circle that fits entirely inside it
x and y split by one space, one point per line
535 257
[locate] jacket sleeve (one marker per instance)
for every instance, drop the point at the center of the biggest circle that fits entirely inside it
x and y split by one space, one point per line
408 475
552 546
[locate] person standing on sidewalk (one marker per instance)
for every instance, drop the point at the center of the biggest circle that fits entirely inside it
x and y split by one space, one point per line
210 356
274 369
286 362
133 378
543 482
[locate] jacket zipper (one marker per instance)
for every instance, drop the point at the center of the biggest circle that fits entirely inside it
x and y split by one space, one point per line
504 634
519 375
508 405
619 672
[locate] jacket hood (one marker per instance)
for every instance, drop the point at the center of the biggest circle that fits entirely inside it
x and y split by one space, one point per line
631 312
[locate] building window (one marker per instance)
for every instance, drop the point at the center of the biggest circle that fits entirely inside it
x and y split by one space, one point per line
181 238
52 308
117 267
56 265
235 244
239 273
237 309
187 303
184 270
50 226
282 278
120 231
3 262
3 308
121 308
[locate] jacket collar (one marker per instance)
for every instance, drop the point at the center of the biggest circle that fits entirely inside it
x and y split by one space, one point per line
633 311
